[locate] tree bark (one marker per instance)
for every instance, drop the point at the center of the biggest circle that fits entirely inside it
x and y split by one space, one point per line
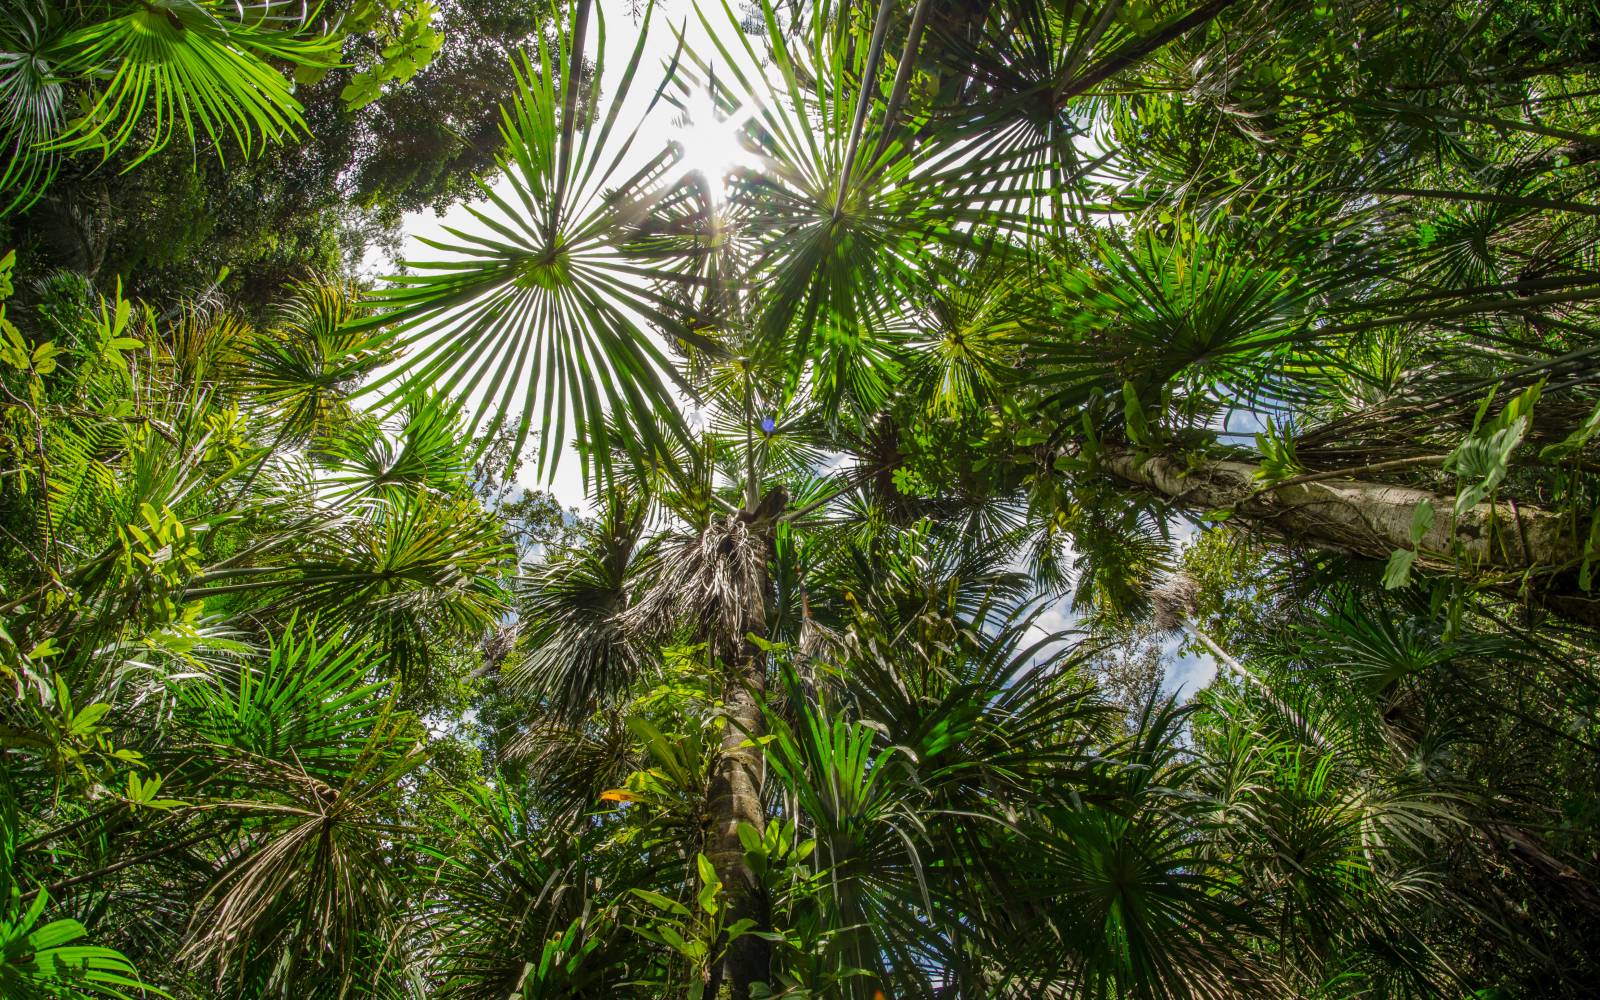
1374 519
735 797
734 792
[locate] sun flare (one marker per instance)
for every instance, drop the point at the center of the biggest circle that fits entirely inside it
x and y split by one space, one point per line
709 144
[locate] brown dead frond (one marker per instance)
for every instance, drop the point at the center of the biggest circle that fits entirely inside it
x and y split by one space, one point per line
717 581
1173 601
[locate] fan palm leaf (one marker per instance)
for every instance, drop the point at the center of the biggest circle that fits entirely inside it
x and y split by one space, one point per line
846 215
307 366
1185 316
32 101
396 570
198 64
577 648
536 309
415 564
511 883
426 453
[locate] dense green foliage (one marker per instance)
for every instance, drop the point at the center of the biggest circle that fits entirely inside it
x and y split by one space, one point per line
328 181
1263 334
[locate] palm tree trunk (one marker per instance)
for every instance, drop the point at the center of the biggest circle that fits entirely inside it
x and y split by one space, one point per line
734 797
734 793
1374 519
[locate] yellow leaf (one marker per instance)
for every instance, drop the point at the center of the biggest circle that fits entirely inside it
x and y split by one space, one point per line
618 795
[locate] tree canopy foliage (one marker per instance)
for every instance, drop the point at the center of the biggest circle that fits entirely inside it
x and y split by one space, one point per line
1017 352
318 183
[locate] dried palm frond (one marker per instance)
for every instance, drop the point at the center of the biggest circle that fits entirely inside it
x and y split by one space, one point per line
1173 601
309 880
717 580
817 641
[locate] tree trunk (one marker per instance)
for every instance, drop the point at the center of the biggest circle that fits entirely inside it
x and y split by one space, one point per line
1374 519
734 798
734 793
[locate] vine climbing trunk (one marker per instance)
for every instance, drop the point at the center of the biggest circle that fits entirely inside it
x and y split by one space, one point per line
1373 519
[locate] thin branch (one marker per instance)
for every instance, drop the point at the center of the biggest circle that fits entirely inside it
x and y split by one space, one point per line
1317 477
112 869
801 512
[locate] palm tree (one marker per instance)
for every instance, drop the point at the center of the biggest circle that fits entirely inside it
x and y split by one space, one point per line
210 633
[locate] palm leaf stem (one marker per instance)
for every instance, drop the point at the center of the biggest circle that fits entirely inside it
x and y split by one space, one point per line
869 76
902 76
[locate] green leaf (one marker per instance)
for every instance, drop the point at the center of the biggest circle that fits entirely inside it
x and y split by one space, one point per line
1134 416
198 63
537 312
86 720
308 75
751 839
1482 459
362 90
765 645
143 793
710 887
1279 461
1591 554
44 356
661 902
694 949
1421 522
1397 572
707 897
1574 442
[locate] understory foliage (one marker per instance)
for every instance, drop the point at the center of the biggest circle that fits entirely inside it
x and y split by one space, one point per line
1033 360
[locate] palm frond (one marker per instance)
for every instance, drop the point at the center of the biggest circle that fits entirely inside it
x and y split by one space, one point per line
534 310
310 362
309 702
189 63
32 101
577 649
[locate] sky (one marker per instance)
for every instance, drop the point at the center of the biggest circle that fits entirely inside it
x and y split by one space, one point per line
708 148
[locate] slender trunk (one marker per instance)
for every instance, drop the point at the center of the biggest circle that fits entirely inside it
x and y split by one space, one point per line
1374 519
1233 666
734 793
735 798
